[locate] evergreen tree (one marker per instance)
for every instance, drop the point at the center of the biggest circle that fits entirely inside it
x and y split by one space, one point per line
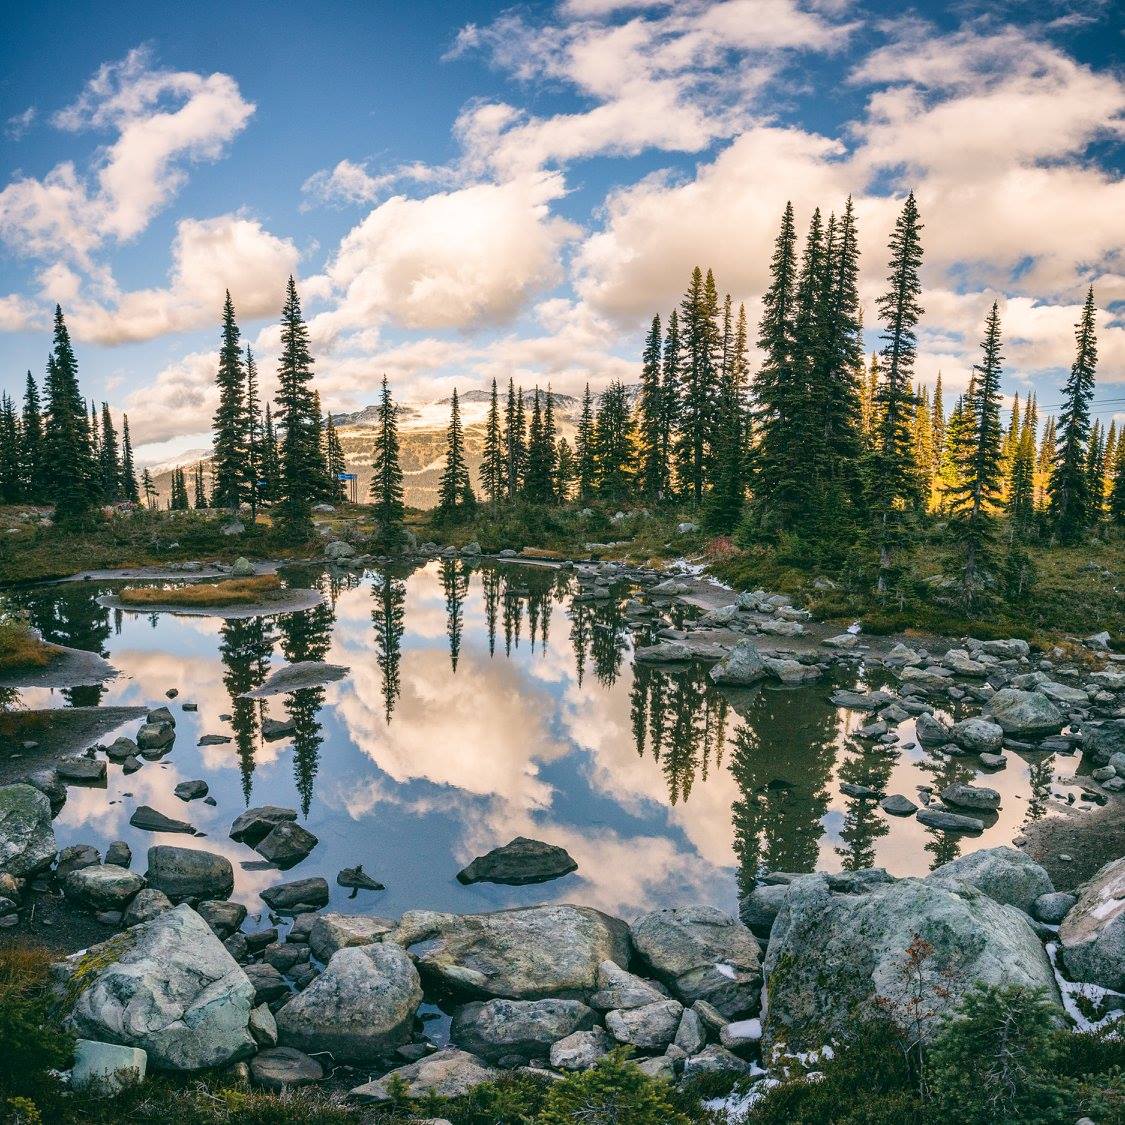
550 442
893 482
128 469
723 506
949 475
253 437
178 501
937 422
1021 478
69 476
388 508
270 469
455 490
299 456
1117 491
1095 476
492 476
699 350
924 464
650 409
11 459
31 428
515 451
670 401
337 465
229 459
979 459
109 457
1068 492
540 475
615 444
199 486
585 449
148 489
564 471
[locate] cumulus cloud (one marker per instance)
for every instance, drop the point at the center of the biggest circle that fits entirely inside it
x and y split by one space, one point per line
17 313
349 182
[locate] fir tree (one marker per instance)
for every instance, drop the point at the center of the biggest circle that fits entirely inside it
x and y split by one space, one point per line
564 471
979 459
31 428
615 444
455 490
514 452
492 476
128 469
1117 491
670 396
270 468
892 479
539 478
253 436
109 458
550 441
585 449
937 422
148 488
1095 475
1021 478
699 352
924 463
69 475
299 456
229 459
1068 491
337 465
388 508
11 460
178 501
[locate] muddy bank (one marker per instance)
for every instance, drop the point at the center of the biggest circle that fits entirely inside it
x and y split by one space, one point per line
57 732
69 667
286 601
1089 838
172 573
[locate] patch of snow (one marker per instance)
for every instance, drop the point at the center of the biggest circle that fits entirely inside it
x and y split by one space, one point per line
745 1029
1071 990
726 970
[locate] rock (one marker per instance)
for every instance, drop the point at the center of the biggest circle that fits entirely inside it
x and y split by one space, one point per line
743 666
339 550
235 527
958 661
273 729
1024 712
120 749
242 568
977 736
1006 875
81 769
75 858
191 790
357 877
945 821
361 1005
146 904
898 805
691 1035
834 957
263 1026
1092 935
1053 907
581 1049
930 731
971 796
214 739
552 950
738 1036
860 792
714 1059
861 700
156 736
1013 649
119 854
843 640
993 761
1102 743
106 1067
102 887
445 1074
1063 693
702 954
651 1027
331 932
781 628
269 984
791 671
167 986
759 908
286 844
495 1028
189 873
660 1067
223 917
286 957
254 825
146 817
130 765
296 676
519 863
48 783
280 1068
27 839
284 897
619 988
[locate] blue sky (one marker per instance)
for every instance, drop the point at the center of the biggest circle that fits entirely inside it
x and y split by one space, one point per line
476 190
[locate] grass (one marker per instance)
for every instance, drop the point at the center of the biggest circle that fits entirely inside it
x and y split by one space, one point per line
21 648
230 591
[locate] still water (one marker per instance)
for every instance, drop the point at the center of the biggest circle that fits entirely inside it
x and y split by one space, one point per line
483 703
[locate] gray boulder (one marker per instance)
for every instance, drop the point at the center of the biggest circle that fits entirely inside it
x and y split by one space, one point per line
971 796
581 1049
103 887
362 1004
714 1059
282 1068
977 736
339 550
898 804
444 1074
1011 649
119 854
931 731
332 932
518 954
294 677
223 917
27 839
75 858
106 1068
495 1028
619 988
702 954
81 769
286 898
1092 935
151 820
286 844
1101 743
742 667
167 986
1023 712
945 821
650 1028
146 904
254 825
263 1026
191 790
156 736
1006 875
760 907
1053 907
519 863
834 957
183 873
242 568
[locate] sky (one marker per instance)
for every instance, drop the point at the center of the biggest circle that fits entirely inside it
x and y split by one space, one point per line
475 190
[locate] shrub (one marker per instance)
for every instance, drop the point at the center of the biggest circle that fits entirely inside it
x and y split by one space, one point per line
614 1092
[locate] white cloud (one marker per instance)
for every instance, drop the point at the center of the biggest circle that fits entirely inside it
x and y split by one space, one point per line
18 124
349 182
17 313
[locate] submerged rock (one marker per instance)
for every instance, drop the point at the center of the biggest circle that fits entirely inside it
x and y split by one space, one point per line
81 769
358 878
519 863
294 677
286 844
146 817
191 790
286 897
27 838
945 821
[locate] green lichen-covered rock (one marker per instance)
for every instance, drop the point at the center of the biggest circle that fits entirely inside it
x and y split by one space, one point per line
27 839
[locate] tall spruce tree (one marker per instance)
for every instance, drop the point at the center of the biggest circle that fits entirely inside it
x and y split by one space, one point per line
514 452
492 475
128 469
31 426
11 477
229 458
253 436
299 456
199 486
388 508
70 475
178 501
1117 489
585 451
670 401
976 497
1095 475
148 489
892 480
699 352
109 457
1068 490
270 468
564 471
615 442
336 463
1021 479
455 491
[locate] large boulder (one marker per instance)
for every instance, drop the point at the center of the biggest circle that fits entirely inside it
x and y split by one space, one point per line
649 1028
1100 743
519 954
1023 712
332 932
1005 874
978 736
27 839
742 667
286 845
834 958
1092 935
702 954
102 887
283 1068
167 986
298 896
619 988
519 863
183 873
444 1074
361 1005
256 824
494 1029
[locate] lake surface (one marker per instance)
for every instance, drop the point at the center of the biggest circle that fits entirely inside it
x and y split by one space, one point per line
482 703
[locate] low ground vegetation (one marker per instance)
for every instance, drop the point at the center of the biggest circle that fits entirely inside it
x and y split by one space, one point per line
230 591
21 648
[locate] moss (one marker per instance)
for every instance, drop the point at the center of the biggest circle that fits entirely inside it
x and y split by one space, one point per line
83 973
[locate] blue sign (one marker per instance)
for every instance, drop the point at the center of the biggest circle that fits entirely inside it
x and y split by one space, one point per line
345 476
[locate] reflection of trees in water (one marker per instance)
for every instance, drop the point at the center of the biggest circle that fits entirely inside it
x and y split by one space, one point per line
388 614
1040 774
783 755
580 623
455 583
306 636
682 721
945 769
864 822
244 648
490 589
